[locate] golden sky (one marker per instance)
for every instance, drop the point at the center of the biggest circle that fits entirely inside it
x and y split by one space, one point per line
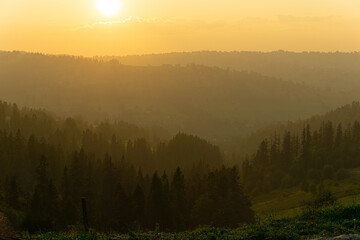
154 26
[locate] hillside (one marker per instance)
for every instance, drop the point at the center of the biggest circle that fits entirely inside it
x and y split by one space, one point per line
289 202
207 101
306 158
22 129
332 71
345 115
328 221
47 164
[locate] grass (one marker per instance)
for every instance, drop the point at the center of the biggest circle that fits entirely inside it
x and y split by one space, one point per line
311 223
288 202
66 236
284 205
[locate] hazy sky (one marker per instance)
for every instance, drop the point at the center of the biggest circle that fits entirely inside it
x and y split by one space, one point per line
153 26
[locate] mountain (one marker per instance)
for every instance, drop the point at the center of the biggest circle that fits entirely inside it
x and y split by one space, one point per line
209 102
331 71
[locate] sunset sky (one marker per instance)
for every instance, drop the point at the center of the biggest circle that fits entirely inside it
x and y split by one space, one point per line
153 26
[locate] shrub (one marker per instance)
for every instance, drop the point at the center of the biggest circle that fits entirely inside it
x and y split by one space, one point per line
5 229
312 188
322 199
305 186
314 174
342 173
328 172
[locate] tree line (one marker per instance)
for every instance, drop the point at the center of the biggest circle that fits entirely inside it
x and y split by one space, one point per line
129 184
345 115
303 159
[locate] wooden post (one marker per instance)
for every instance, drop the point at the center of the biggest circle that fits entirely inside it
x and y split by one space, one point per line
85 217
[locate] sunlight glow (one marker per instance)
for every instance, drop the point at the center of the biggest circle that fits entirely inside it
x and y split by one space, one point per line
109 7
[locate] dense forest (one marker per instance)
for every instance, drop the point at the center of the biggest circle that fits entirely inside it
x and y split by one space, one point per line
213 103
326 70
179 120
48 164
303 159
139 168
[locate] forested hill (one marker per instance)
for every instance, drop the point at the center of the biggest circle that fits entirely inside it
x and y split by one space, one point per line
46 124
210 102
334 71
306 152
346 115
25 127
48 164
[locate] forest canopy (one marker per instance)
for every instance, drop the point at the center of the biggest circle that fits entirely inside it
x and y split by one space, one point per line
48 164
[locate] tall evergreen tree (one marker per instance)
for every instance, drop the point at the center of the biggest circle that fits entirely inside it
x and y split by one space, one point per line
178 200
12 192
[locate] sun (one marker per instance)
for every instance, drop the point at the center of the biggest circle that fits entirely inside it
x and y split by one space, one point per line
109 7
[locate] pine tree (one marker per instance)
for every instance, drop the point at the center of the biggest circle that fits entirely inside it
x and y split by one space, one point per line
69 212
12 193
339 136
286 154
42 214
138 206
178 200
108 203
155 200
122 208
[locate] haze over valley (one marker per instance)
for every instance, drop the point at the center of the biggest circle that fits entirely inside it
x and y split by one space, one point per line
215 103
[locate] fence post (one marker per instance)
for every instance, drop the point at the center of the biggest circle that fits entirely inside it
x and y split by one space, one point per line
85 216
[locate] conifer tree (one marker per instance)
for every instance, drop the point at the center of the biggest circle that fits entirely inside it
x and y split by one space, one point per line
178 200
138 206
12 192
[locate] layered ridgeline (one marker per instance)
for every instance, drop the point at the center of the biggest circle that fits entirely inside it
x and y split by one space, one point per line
207 101
305 153
47 164
335 71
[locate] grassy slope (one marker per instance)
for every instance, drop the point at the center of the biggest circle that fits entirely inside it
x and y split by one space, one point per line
288 202
330 221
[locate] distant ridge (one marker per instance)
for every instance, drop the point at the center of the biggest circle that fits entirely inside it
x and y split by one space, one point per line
337 71
210 102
